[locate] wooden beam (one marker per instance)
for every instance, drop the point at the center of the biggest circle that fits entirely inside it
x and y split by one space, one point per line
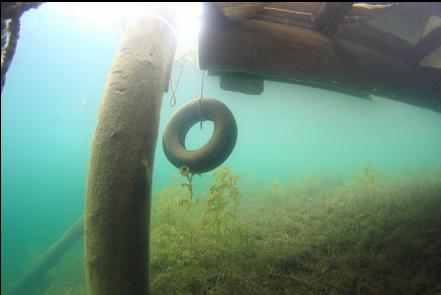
330 18
426 46
361 12
377 39
240 11
10 17
240 82
304 7
45 261
376 35
286 53
16 9
283 16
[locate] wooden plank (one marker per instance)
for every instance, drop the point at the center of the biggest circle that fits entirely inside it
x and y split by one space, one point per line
283 14
240 11
305 7
44 262
376 33
16 9
364 12
240 82
331 17
427 45
287 53
369 36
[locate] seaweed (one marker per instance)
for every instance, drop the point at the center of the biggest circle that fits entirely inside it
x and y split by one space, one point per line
321 235
318 236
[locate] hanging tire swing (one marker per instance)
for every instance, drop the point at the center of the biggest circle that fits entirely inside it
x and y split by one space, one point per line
215 151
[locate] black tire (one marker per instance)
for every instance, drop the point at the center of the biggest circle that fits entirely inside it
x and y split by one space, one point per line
216 150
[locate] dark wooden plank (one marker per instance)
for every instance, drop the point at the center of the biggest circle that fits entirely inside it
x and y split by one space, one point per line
367 35
240 11
48 259
287 53
330 18
239 82
426 46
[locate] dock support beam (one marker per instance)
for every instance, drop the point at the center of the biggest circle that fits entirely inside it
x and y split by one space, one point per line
117 210
299 55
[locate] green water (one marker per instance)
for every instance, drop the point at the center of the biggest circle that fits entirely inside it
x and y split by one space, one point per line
294 143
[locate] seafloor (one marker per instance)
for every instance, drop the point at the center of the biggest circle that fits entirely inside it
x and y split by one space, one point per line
322 235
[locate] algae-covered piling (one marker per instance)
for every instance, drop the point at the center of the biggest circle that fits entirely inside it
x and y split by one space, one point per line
121 163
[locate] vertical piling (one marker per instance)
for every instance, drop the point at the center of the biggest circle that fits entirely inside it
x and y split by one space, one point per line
117 211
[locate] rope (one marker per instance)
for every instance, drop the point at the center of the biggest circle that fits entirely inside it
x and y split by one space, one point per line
200 98
173 97
202 85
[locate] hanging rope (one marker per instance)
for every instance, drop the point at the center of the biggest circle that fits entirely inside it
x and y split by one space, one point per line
202 85
173 97
200 98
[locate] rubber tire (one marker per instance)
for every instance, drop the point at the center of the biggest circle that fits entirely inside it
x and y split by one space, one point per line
216 150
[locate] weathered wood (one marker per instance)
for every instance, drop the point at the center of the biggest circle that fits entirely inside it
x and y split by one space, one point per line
303 13
427 45
406 21
331 17
432 61
282 52
305 7
240 11
364 11
358 9
117 211
385 42
397 41
283 16
16 9
45 261
241 83
10 18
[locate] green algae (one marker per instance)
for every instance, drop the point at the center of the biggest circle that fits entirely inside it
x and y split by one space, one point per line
318 236
322 235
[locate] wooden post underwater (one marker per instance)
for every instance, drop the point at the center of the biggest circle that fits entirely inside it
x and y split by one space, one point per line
117 209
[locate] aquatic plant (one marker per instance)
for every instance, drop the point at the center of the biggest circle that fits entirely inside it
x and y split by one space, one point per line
223 191
370 177
185 171
316 236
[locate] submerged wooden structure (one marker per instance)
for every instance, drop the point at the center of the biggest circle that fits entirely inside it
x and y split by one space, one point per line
388 49
119 181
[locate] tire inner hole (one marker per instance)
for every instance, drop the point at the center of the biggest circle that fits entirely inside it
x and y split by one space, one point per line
196 138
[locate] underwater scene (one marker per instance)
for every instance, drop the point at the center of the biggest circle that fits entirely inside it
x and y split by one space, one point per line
323 193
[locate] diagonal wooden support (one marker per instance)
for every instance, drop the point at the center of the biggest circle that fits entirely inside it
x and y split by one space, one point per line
45 261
